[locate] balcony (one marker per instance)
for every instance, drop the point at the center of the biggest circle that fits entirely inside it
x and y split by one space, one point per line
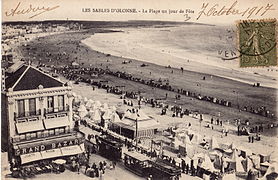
56 112
44 135
27 116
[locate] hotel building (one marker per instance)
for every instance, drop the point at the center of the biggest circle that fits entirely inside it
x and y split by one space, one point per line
37 120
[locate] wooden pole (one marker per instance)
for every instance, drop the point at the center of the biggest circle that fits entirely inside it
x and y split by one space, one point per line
136 132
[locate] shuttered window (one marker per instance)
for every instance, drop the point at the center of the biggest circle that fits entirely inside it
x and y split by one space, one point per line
50 104
61 102
32 106
21 108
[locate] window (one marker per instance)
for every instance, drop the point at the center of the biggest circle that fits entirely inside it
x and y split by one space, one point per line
61 102
32 106
21 108
50 104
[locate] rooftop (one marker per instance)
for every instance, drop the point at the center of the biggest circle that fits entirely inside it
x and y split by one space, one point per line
29 78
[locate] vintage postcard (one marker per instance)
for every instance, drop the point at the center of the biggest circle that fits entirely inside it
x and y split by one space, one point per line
150 89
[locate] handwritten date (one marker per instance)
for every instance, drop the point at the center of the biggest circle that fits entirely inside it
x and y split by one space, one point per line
217 10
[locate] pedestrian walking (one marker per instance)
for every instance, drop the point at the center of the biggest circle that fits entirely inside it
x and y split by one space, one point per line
78 167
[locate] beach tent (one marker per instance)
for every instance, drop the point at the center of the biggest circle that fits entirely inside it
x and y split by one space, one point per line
272 172
181 135
177 143
89 103
231 176
256 161
187 160
214 143
196 138
245 151
78 98
207 164
115 117
190 150
249 164
94 107
235 162
214 154
113 108
96 116
196 158
186 140
107 114
74 94
105 106
82 111
91 113
233 146
98 104
85 99
234 155
239 167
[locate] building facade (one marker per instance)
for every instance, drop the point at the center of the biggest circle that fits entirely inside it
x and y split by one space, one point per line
37 117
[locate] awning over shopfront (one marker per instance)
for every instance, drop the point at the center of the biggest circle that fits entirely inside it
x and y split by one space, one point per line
25 158
29 126
56 122
51 153
72 150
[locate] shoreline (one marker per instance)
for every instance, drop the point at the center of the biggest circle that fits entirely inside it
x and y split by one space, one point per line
100 42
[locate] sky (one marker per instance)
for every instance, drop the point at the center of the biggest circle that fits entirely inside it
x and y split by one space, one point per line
75 10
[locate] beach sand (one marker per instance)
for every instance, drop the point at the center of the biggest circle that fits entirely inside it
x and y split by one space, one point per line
193 47
215 86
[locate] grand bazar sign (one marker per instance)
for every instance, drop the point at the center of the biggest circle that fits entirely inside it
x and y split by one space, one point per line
43 147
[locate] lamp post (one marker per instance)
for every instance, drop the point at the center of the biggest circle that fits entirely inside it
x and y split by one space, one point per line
136 131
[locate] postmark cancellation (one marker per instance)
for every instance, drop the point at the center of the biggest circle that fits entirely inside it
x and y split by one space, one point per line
257 42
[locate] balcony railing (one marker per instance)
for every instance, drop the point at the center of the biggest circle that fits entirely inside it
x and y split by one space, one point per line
27 115
57 112
46 134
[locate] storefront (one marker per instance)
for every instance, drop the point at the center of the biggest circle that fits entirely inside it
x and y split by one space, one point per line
48 148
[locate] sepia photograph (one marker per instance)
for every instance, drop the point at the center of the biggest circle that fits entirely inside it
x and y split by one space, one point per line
139 90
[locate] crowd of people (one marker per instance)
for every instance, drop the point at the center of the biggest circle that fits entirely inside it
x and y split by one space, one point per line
82 74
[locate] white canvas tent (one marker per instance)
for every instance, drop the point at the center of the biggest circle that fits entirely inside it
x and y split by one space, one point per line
115 117
231 176
85 99
207 164
214 143
105 106
96 116
196 138
82 111
272 171
98 104
107 114
186 140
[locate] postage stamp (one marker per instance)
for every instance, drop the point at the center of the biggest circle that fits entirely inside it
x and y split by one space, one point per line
257 43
